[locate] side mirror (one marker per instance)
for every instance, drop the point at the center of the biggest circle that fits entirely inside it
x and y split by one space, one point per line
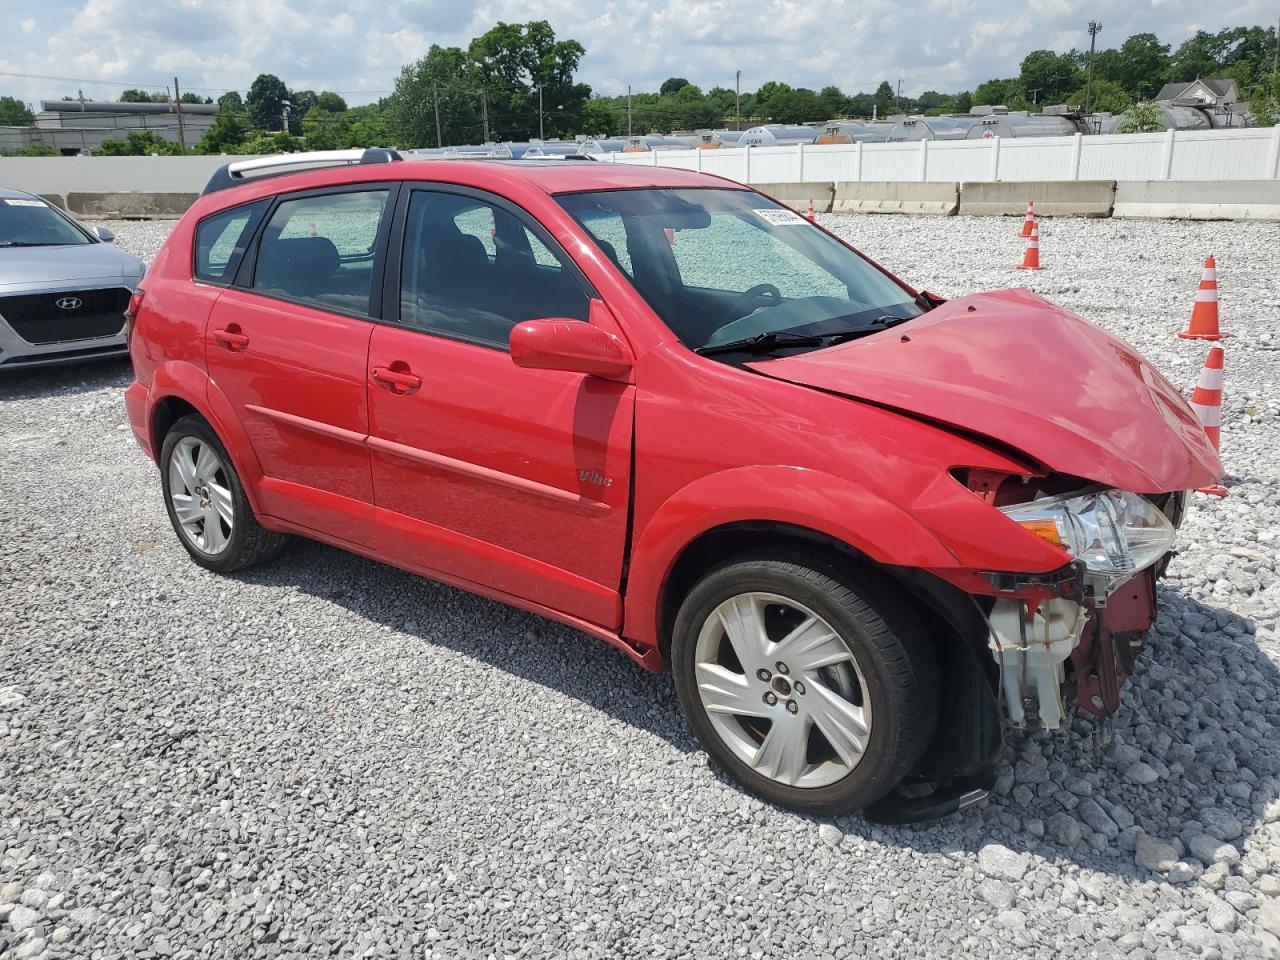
102 233
571 346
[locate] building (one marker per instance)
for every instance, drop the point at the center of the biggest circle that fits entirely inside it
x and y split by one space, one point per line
79 126
1217 93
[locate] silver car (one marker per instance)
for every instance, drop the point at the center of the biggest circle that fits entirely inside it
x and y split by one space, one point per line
63 287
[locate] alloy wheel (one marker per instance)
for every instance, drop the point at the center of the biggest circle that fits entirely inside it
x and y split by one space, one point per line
200 492
782 690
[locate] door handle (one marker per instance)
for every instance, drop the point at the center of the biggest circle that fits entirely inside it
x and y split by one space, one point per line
397 378
231 337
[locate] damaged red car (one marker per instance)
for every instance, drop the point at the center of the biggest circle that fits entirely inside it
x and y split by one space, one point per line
867 529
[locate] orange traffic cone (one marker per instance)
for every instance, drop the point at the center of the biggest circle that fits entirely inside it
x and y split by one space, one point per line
809 213
1204 315
1030 220
1206 401
1031 260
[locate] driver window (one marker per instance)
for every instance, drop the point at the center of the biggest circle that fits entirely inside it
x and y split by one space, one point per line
472 270
734 254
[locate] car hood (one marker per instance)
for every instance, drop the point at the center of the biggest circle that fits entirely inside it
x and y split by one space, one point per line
36 266
1032 376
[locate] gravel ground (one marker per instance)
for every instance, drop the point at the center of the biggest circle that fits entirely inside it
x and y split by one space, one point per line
330 757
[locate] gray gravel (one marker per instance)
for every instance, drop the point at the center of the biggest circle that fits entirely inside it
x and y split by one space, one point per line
330 757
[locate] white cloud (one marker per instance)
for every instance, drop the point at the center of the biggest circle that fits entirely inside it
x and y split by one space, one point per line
358 46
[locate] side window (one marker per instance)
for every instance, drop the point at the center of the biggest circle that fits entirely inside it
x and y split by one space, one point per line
321 249
610 234
472 270
221 240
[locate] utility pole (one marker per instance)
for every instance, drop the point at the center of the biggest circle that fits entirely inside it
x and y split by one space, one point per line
737 101
628 111
1094 29
900 95
435 99
484 111
177 107
284 116
1035 99
540 133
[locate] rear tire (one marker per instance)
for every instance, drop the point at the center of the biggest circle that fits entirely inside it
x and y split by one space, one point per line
845 661
206 501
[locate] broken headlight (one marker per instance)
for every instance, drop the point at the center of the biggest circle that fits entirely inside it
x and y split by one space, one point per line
1114 533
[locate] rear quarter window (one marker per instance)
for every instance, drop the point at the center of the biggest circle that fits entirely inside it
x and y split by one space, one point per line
221 240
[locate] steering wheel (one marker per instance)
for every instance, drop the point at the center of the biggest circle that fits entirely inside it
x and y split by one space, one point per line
759 292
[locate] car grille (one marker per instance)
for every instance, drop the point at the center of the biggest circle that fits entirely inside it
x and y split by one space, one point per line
37 318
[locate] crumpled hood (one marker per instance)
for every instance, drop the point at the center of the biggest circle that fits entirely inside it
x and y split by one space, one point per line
33 266
1014 367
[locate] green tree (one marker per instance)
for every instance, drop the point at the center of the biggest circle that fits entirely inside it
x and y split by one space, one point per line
512 61
445 76
1143 58
268 143
884 99
141 96
671 85
330 102
834 102
139 143
38 150
993 92
265 102
227 131
796 106
722 99
964 102
1108 97
192 98
1050 74
1195 57
602 118
300 103
14 113
1141 118
1264 101
230 102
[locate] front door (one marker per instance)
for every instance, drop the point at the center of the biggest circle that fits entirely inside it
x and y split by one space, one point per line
486 473
288 347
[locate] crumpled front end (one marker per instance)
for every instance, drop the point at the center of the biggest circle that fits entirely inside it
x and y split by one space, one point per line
1075 634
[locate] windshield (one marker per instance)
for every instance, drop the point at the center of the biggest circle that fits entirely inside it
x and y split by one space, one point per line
28 222
721 266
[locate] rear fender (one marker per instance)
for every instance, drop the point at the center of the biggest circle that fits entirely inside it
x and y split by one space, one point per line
189 383
794 496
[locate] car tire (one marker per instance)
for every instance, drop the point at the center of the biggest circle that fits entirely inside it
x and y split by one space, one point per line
206 501
880 672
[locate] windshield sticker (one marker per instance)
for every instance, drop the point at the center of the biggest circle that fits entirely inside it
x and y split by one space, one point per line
23 203
781 218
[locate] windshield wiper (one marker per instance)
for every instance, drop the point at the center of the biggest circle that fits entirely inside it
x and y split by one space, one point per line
769 340
25 243
773 339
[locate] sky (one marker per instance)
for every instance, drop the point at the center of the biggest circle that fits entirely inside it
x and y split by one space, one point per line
357 47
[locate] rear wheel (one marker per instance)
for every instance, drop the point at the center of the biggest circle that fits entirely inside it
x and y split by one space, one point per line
206 501
812 692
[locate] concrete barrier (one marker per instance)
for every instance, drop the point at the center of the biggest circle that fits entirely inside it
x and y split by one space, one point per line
130 206
1199 199
893 196
1053 198
797 195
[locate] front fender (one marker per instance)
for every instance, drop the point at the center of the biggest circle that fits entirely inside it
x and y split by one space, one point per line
795 496
188 382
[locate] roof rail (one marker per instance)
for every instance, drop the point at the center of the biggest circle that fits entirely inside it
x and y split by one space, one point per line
234 173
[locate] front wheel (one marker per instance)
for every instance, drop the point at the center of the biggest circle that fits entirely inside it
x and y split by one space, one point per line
812 693
206 501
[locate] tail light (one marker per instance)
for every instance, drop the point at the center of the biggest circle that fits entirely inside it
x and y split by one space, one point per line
131 313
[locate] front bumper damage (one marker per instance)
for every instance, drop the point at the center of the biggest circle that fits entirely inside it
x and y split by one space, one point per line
1082 640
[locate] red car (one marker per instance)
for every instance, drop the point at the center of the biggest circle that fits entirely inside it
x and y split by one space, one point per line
865 528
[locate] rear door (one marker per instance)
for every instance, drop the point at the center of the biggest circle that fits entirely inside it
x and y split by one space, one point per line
288 345
510 479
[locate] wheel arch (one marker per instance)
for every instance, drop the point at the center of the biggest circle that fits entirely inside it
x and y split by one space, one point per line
179 389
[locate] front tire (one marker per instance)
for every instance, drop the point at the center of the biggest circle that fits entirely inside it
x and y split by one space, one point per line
813 692
206 501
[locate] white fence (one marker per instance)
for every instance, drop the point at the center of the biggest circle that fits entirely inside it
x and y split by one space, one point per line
1249 154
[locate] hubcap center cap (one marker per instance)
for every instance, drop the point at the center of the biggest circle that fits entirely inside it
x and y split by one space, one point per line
781 686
